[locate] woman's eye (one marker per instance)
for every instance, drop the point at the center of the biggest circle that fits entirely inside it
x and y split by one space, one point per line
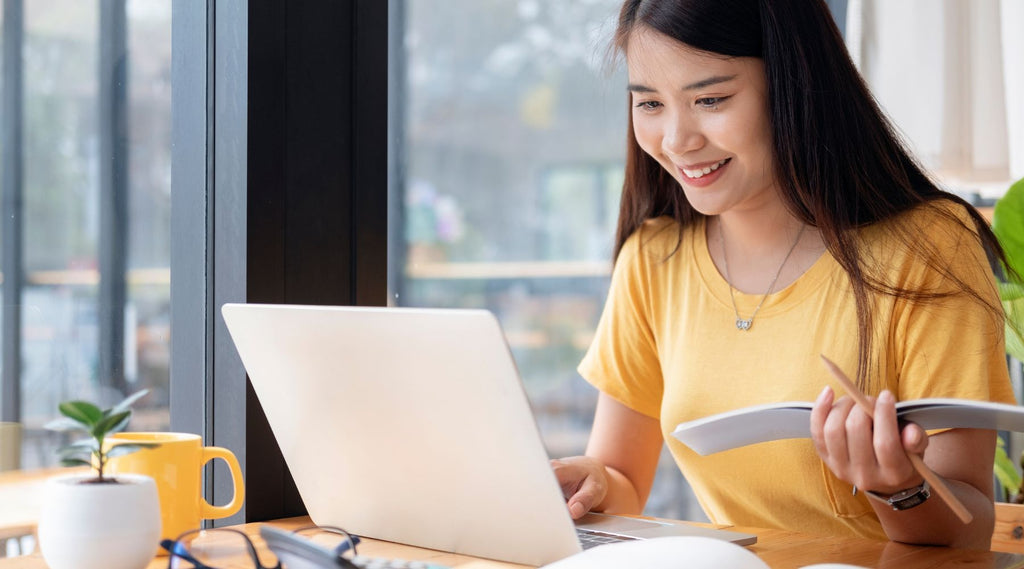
710 102
648 105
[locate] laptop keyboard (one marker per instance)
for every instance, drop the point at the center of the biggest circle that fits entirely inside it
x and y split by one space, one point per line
590 538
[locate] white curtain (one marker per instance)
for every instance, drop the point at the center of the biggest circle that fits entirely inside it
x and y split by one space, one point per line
950 74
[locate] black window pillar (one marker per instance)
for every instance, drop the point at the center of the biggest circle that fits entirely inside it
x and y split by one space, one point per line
317 181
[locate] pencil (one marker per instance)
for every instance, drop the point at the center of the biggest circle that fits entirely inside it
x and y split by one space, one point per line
934 480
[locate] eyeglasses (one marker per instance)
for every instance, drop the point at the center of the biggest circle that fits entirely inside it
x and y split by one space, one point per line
222 548
227 548
316 547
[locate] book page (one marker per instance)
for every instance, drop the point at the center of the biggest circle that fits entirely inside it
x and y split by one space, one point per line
791 420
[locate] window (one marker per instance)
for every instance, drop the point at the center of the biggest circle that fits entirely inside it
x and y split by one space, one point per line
86 211
512 138
510 125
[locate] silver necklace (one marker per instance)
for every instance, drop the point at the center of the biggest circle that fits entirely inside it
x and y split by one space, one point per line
746 323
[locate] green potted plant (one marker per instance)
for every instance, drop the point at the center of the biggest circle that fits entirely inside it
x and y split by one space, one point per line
1008 225
91 520
96 423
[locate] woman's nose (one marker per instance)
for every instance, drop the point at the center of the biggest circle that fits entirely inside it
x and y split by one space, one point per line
681 136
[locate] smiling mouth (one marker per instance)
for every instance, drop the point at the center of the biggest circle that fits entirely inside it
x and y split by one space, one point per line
695 174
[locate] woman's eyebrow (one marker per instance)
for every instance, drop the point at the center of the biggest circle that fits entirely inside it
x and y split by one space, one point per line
640 88
709 82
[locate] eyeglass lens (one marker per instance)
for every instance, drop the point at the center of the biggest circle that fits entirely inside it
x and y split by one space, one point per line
215 550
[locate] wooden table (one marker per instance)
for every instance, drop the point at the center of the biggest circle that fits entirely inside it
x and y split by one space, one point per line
21 492
779 549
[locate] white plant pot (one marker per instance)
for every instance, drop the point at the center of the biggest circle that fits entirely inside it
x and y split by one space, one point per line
99 526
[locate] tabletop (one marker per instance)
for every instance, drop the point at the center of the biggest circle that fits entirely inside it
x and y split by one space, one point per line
20 497
778 548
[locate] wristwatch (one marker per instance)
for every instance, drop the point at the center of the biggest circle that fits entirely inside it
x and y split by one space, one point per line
905 499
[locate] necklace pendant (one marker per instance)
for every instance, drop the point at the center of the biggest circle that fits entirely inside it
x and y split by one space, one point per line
744 324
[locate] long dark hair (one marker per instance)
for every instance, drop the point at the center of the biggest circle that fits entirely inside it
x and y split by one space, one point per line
839 162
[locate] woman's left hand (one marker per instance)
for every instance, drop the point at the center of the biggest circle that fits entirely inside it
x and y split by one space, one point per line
870 454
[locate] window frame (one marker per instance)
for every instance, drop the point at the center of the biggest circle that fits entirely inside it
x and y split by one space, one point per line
280 196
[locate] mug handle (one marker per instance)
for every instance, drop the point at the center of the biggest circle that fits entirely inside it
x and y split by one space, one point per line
207 510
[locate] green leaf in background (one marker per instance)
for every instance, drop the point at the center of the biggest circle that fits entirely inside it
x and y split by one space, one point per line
124 405
81 411
1012 295
1006 471
74 462
1008 225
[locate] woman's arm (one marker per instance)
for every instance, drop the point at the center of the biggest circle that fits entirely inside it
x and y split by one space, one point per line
872 455
617 472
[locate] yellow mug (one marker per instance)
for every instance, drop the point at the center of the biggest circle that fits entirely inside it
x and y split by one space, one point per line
177 467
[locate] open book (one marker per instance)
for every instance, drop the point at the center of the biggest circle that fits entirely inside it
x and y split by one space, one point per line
792 420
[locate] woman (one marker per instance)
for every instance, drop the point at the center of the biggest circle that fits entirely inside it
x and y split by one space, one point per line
769 215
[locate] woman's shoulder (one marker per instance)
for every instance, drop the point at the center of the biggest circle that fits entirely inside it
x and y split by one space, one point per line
660 237
940 233
936 223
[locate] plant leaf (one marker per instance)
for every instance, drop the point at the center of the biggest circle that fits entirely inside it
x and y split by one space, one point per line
100 429
120 426
1005 470
84 447
128 402
81 411
128 448
74 462
66 424
1012 295
90 445
70 451
1008 225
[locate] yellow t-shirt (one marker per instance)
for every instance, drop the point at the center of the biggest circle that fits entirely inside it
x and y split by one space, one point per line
667 346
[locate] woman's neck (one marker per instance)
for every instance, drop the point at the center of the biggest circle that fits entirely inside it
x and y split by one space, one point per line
752 247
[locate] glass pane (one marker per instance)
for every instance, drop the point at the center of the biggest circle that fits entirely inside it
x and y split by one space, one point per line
513 142
71 93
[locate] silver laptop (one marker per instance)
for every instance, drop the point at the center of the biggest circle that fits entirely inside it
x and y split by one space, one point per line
412 426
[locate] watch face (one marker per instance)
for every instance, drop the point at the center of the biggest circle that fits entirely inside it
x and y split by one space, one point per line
904 494
906 499
908 502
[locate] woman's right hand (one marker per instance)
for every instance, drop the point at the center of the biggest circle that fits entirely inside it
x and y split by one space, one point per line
584 483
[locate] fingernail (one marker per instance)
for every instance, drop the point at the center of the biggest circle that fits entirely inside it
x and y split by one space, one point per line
886 397
576 510
824 393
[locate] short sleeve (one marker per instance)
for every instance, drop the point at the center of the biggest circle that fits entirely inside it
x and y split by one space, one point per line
622 360
952 346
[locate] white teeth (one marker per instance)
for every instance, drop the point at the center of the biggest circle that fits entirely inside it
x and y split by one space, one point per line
706 170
